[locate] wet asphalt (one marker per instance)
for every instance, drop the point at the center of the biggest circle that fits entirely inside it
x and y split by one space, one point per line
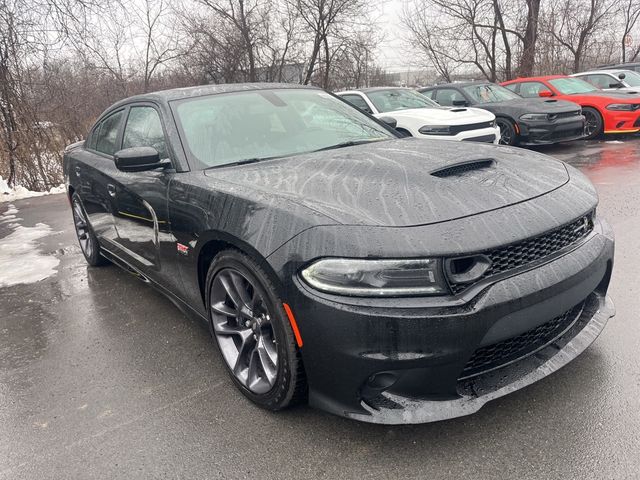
102 377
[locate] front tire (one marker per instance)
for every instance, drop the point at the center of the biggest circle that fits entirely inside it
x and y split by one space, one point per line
252 332
86 237
594 125
508 134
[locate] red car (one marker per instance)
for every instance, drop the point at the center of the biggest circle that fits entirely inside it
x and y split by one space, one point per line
605 112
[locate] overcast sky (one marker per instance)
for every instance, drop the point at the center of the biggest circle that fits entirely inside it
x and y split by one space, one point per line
392 52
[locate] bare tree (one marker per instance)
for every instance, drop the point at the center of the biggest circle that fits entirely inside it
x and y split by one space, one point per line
324 19
249 18
630 12
572 23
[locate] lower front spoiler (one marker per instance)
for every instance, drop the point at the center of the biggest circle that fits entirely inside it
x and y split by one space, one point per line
476 391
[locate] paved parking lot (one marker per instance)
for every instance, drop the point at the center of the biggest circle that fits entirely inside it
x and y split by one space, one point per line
102 377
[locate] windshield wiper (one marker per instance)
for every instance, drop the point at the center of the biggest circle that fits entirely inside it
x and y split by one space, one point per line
242 162
350 143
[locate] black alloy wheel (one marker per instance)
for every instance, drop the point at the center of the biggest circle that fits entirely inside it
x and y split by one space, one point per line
593 123
253 333
508 134
86 237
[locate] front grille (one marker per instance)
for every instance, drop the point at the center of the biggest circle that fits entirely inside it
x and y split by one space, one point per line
503 353
558 134
455 129
523 253
482 139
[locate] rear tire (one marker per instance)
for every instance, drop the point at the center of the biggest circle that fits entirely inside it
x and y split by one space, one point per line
508 135
594 125
86 237
252 332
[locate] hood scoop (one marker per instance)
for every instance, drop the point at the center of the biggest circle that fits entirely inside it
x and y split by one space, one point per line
463 167
458 109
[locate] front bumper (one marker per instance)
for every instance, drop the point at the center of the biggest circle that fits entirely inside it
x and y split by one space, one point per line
562 130
397 361
622 122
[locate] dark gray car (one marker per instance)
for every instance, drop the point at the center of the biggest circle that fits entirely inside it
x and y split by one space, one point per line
522 121
385 279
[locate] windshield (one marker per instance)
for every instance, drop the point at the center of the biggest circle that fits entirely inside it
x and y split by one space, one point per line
241 126
489 92
399 99
631 78
572 86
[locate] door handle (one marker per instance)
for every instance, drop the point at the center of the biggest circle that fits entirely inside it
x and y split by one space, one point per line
111 189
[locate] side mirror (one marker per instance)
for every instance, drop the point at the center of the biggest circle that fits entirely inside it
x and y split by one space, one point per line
139 159
460 103
545 93
622 76
390 121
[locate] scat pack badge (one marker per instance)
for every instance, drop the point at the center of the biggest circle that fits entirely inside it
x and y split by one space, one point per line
182 249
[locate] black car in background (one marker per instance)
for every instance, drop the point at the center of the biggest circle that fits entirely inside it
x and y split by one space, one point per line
386 279
522 121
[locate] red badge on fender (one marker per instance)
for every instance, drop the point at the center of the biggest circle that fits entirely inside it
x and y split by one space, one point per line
183 249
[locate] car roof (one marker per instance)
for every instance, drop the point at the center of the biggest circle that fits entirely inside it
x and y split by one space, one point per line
371 89
619 65
201 90
534 79
460 84
610 71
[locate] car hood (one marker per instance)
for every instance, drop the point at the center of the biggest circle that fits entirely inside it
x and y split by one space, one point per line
628 96
441 116
400 182
532 105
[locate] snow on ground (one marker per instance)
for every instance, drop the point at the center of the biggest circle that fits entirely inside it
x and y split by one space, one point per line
9 194
20 260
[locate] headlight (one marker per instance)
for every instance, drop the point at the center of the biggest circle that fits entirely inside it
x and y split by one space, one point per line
623 107
535 116
376 278
435 130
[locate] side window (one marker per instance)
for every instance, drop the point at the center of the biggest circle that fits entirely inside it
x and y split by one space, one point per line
513 87
446 97
429 94
144 129
91 141
357 101
531 89
599 80
107 134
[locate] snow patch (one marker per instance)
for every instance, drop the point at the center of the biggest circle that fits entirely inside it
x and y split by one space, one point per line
9 194
20 261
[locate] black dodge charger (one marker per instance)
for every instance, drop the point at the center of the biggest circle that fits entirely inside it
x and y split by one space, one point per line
383 279
522 121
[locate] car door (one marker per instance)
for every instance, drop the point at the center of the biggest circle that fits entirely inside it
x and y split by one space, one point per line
93 175
141 214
